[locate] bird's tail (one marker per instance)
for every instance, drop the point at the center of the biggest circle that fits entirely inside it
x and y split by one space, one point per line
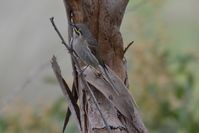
108 79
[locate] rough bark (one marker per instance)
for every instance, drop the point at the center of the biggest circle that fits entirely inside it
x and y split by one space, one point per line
103 18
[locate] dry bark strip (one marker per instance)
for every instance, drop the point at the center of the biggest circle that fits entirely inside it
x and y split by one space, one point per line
84 85
67 93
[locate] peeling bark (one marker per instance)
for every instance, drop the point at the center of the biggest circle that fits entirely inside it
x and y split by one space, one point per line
103 17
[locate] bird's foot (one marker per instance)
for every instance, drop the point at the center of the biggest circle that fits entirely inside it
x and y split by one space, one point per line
81 72
98 73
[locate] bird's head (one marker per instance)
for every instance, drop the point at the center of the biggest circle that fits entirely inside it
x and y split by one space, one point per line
81 30
77 29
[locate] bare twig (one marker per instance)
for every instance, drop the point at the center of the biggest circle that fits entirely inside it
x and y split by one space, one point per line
128 46
68 113
81 76
59 34
31 77
67 93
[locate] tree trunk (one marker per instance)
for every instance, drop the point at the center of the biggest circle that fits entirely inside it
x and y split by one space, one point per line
103 18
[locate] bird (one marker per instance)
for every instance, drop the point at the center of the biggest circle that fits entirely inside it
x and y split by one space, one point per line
85 32
92 42
81 45
82 41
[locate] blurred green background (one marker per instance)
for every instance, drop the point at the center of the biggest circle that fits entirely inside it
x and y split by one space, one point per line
162 65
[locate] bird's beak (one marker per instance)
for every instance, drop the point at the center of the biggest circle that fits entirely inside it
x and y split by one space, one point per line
72 25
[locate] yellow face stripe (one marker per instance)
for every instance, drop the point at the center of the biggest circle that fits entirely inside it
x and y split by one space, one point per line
77 31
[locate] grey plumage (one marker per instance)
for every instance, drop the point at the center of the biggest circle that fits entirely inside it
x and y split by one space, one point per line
92 42
80 46
82 38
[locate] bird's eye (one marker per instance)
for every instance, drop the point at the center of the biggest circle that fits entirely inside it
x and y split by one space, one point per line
77 31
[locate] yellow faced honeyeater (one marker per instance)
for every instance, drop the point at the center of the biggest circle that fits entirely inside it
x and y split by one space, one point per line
82 40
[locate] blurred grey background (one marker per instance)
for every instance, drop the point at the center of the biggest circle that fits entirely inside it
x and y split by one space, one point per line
27 44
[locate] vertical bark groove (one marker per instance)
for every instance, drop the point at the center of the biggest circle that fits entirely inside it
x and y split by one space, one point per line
104 18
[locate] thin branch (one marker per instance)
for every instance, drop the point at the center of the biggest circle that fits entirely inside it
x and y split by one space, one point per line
68 113
16 91
59 34
30 78
67 93
82 77
128 46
